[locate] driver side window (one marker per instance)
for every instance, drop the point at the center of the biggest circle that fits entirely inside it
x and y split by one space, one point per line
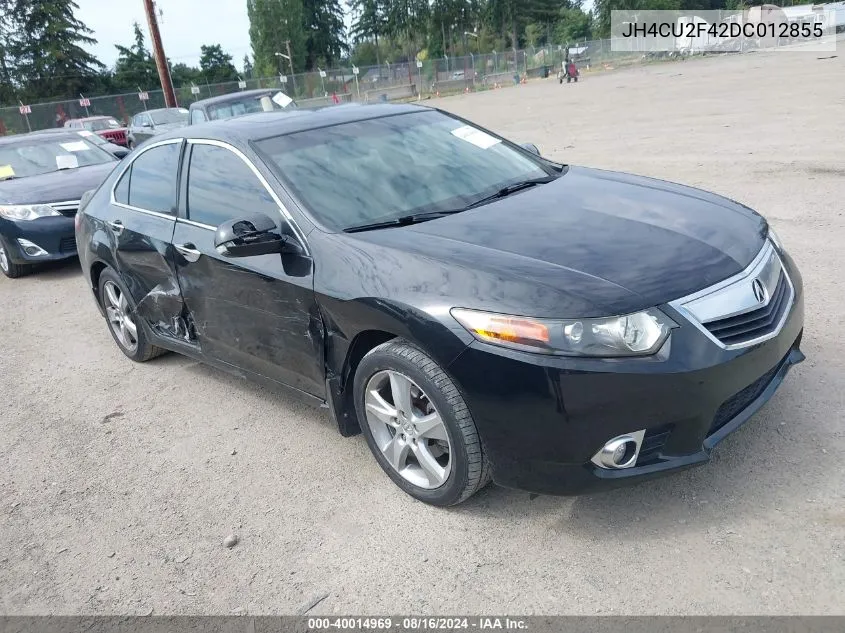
222 187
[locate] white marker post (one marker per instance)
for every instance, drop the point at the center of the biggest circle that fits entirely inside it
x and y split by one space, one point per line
356 71
25 110
419 74
323 81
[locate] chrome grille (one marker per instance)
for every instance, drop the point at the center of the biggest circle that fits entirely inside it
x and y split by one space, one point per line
746 309
754 324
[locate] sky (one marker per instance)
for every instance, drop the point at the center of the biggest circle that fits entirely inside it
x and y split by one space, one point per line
185 25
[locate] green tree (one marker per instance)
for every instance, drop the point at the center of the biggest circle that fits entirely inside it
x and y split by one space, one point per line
135 67
184 75
8 30
573 25
368 23
216 65
325 43
247 68
272 24
46 49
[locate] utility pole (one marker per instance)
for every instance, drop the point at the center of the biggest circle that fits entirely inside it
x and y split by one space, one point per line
158 53
292 73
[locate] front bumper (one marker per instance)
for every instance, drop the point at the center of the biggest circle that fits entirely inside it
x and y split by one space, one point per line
54 234
542 418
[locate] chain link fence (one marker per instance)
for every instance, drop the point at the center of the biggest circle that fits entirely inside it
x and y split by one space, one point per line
386 82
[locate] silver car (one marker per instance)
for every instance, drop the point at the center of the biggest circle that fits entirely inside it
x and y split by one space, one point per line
147 124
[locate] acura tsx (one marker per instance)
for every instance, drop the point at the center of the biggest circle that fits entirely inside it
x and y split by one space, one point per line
477 311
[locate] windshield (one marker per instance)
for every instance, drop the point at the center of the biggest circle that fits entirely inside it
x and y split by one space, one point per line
19 160
249 105
101 124
163 117
381 169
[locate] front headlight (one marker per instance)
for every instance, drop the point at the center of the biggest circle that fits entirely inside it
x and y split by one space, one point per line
637 334
26 211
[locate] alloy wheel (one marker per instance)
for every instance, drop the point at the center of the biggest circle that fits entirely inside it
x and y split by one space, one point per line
408 429
4 259
117 313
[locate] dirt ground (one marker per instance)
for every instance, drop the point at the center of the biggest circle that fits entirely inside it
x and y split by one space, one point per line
120 481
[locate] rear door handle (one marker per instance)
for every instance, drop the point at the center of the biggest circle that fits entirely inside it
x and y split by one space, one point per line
188 251
116 226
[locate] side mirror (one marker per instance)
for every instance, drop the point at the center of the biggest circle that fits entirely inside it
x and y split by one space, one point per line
251 235
531 148
146 124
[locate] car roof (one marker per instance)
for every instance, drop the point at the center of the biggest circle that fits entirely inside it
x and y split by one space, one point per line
93 118
234 96
251 127
178 109
41 135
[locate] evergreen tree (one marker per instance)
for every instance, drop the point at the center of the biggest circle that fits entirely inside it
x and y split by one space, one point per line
46 49
272 23
216 65
135 67
324 33
247 68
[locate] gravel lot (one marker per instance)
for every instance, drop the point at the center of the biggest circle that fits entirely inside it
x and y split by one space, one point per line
120 481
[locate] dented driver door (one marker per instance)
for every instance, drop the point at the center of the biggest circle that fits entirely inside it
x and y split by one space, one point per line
255 313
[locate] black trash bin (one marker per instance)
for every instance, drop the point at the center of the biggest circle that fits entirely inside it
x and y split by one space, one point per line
544 72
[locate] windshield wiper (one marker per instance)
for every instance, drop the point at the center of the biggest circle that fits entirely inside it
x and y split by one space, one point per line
416 218
504 192
405 220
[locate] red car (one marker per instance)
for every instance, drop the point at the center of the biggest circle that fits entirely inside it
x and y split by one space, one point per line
106 126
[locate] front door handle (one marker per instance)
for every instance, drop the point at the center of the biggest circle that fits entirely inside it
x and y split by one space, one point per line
188 251
116 226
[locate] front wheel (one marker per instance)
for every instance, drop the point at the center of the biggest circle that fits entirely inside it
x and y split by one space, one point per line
418 426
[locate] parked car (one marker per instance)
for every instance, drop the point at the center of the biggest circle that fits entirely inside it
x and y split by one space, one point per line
145 125
106 126
238 104
42 179
474 309
117 151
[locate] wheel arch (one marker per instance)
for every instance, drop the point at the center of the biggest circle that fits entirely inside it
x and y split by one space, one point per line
339 393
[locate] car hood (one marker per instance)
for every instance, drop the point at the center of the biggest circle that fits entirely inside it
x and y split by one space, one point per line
167 127
610 242
57 186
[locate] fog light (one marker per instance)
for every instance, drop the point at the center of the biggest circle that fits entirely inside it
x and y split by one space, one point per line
31 249
620 452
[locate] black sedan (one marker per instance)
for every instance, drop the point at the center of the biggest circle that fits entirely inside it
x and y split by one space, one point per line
42 179
477 311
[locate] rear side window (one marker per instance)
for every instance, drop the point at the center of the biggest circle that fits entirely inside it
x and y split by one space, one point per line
197 116
121 191
152 184
221 187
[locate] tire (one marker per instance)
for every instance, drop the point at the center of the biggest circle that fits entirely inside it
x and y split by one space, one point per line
463 470
130 145
118 306
10 268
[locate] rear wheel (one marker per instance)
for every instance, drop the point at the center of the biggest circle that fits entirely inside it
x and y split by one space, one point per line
417 425
10 268
122 320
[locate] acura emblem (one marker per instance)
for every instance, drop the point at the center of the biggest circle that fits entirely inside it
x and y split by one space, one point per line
759 290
